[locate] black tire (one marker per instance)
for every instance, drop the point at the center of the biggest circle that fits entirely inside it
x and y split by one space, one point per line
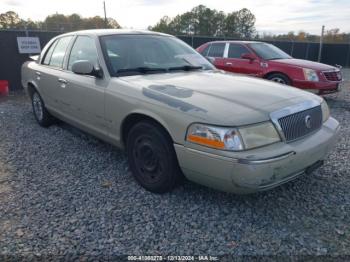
152 158
42 116
279 78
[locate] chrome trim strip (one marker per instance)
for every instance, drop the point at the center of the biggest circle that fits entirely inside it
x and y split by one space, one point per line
274 116
226 50
331 71
266 160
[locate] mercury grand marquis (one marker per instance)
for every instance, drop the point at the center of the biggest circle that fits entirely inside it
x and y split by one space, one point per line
177 116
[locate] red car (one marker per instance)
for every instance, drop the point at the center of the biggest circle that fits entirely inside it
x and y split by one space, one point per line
267 61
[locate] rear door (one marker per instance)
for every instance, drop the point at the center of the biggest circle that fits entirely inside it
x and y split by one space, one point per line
216 54
50 72
84 94
235 63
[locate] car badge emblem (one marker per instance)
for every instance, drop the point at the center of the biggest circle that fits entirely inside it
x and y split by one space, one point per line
308 121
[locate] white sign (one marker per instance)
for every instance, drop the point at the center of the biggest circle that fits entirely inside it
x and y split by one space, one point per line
28 45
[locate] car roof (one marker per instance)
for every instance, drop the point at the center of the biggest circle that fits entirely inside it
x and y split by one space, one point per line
102 32
235 41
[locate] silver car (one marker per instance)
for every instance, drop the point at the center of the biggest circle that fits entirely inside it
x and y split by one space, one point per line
175 114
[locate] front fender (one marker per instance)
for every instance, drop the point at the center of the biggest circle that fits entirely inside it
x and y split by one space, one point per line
151 115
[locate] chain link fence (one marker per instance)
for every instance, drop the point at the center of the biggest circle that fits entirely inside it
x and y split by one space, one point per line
12 60
332 53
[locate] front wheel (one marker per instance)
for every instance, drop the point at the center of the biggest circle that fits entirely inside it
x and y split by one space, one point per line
279 78
42 116
152 158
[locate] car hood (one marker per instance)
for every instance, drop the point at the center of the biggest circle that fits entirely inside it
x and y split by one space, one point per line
304 64
217 97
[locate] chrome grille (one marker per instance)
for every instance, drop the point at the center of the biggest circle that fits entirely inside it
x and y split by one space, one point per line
300 124
333 75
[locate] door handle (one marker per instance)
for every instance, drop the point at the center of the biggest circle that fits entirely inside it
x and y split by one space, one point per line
63 81
228 63
38 74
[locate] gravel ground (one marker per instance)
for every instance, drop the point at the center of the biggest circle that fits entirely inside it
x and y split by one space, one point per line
63 192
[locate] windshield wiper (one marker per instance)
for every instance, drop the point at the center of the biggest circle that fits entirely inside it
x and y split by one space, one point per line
145 70
142 69
185 68
275 58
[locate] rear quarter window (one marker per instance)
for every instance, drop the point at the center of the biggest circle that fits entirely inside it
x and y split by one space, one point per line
205 51
56 53
48 54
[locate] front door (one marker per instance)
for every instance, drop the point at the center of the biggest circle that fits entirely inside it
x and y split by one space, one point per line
235 63
85 94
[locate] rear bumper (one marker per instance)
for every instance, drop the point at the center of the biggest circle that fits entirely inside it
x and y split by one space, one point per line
263 168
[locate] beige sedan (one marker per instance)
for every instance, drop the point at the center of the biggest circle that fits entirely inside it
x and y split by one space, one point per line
175 114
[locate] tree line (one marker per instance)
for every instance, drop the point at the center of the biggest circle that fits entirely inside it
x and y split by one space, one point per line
204 21
201 20
333 35
56 22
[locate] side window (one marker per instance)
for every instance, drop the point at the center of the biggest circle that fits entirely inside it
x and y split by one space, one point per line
217 50
59 52
237 50
49 53
205 50
83 49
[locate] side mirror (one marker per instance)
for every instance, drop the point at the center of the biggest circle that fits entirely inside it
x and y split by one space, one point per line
84 67
248 56
210 59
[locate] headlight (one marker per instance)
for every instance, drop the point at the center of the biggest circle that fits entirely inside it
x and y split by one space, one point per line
325 111
233 139
259 135
310 75
215 137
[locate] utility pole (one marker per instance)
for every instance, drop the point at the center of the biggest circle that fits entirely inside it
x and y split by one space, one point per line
321 43
104 8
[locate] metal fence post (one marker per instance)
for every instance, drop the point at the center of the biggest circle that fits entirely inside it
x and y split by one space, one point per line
307 50
292 48
348 57
321 43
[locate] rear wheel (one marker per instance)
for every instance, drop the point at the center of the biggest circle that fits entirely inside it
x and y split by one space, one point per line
42 116
152 158
279 78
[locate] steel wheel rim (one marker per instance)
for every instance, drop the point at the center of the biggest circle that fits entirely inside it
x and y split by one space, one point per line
278 80
147 160
38 106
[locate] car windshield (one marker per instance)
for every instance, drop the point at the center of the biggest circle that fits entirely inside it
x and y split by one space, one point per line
268 51
149 54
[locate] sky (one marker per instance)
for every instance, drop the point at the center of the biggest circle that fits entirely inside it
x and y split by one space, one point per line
272 16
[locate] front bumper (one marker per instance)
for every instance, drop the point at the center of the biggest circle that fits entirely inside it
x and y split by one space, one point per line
322 86
262 168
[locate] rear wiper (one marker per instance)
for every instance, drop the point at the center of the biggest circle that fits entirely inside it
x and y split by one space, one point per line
142 69
185 68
